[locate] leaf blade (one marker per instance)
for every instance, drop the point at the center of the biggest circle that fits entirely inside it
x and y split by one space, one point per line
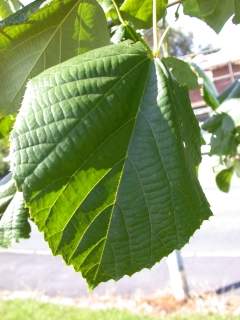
43 40
115 208
14 223
140 12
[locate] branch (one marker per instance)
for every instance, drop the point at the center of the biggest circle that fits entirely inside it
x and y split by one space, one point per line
155 30
174 3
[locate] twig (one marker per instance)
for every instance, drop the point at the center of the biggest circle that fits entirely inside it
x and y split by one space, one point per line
163 37
155 31
174 3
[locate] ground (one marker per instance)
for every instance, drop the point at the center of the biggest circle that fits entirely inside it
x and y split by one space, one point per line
32 310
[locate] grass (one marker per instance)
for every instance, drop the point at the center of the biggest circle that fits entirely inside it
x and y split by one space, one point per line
33 310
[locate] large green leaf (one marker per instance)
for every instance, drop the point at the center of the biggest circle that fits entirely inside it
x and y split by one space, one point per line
214 12
14 223
100 151
140 12
53 34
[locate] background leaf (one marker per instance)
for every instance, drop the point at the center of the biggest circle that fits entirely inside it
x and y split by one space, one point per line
233 91
215 12
7 7
14 223
22 15
140 12
127 196
223 179
209 91
53 34
6 124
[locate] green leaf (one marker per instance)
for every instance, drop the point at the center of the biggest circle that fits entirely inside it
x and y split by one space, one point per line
200 8
5 9
6 124
213 123
109 9
140 12
16 4
222 126
22 15
232 92
209 91
7 191
14 223
53 34
100 152
236 18
190 130
224 178
215 12
182 72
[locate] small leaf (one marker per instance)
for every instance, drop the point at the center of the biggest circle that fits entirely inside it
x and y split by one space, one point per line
52 34
105 162
6 124
182 72
14 223
223 126
140 12
224 178
210 94
232 92
7 191
213 123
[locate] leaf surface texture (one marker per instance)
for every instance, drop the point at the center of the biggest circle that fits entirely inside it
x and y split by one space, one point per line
101 153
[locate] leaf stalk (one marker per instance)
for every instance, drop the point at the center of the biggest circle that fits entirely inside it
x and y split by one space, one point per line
118 13
156 52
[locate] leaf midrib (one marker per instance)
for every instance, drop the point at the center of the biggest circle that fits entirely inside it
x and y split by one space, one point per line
120 178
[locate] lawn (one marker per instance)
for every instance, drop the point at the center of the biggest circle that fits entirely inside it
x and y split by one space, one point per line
32 310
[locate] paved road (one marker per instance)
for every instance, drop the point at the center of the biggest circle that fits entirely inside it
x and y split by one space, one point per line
212 258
